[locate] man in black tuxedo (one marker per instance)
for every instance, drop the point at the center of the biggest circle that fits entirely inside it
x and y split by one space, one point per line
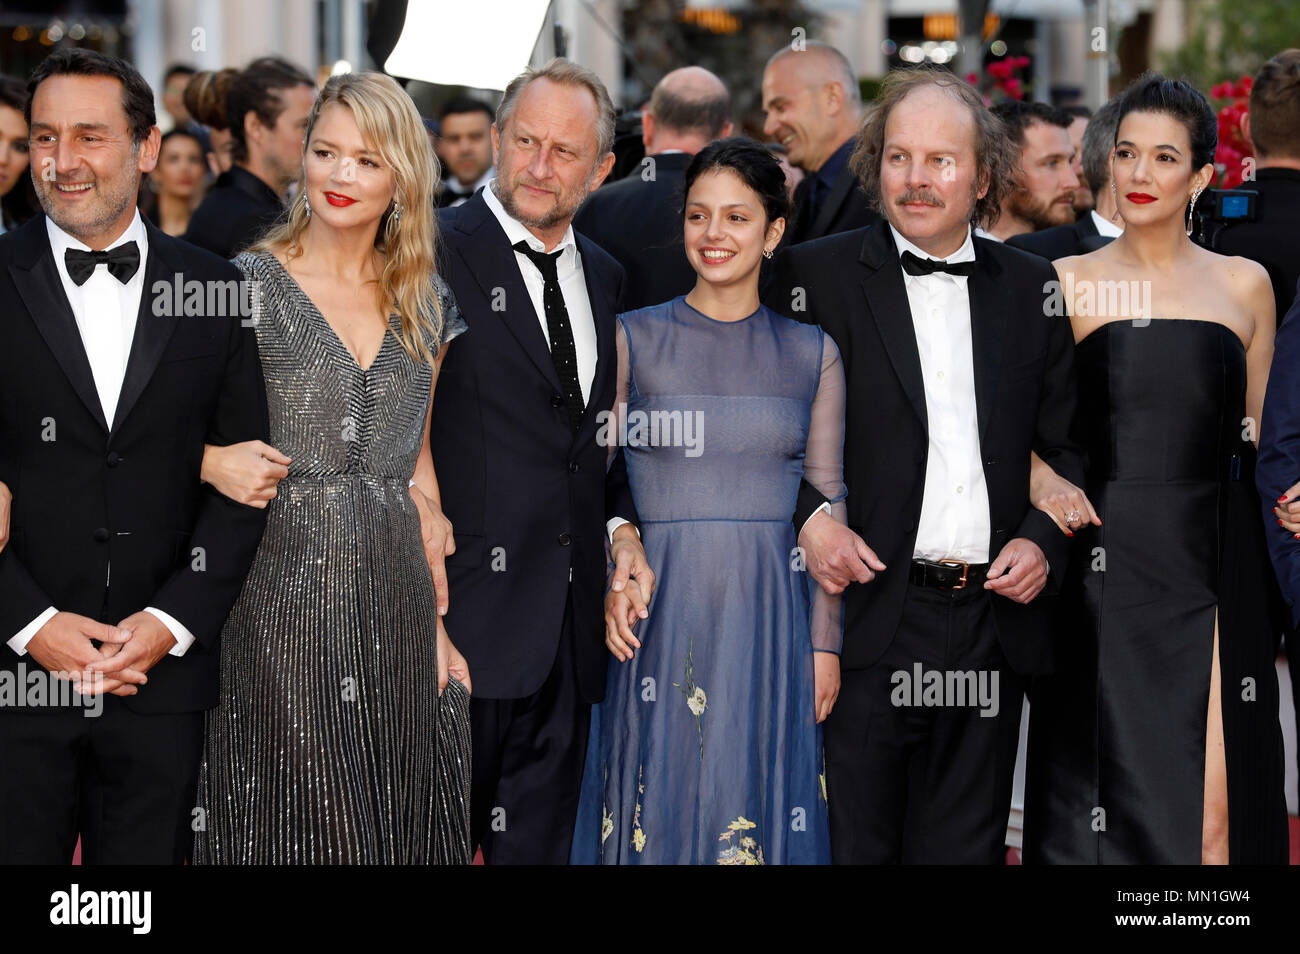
1272 126
521 475
954 376
122 566
638 219
1098 224
813 108
464 148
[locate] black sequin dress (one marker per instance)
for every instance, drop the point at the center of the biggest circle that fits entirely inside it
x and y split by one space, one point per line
325 747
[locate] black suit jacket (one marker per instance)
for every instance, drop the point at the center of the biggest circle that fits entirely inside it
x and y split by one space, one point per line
525 495
639 222
1271 239
1058 241
235 214
88 492
845 207
852 285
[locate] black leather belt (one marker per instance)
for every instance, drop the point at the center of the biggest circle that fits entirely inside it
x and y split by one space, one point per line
948 574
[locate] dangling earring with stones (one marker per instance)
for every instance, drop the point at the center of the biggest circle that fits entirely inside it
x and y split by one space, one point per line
1114 193
306 205
1190 209
397 213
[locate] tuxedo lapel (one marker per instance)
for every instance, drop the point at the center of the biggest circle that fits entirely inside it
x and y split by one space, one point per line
152 332
830 206
986 331
888 307
38 282
490 259
603 308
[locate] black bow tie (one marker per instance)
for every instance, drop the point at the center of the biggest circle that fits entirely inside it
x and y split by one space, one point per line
122 261
915 265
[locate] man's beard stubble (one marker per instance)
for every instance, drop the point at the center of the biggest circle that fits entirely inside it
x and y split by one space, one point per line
108 206
505 192
1041 215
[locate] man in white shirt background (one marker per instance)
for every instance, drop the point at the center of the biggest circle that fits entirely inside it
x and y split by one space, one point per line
1099 224
121 568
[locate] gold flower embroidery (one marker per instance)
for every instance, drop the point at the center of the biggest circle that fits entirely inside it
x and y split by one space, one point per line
696 700
747 851
638 836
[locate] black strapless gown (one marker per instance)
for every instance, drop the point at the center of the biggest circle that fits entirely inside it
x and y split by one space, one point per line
1116 760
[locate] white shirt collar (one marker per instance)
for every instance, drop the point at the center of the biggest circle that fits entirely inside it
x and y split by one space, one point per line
987 235
61 241
517 232
966 253
1105 226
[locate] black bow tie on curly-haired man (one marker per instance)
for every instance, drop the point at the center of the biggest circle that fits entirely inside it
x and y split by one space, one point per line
946 344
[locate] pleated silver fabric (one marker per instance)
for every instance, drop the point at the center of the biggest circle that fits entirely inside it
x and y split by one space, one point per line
325 745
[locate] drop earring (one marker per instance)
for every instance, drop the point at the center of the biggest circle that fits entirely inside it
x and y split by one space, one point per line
1190 209
767 253
1114 194
306 205
397 213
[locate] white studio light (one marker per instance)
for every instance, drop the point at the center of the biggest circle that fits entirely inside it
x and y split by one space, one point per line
340 67
445 43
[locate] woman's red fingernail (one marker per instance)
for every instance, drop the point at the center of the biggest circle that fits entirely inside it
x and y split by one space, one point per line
1282 499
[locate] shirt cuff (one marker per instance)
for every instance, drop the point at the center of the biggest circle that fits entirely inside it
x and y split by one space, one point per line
18 643
614 523
824 507
184 638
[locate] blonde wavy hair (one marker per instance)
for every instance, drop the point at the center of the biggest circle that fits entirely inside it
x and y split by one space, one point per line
391 126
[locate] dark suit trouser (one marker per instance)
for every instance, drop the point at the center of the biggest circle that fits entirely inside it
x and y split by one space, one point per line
924 784
528 757
124 781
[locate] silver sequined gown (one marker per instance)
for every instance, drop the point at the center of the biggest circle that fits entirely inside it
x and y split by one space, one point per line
325 747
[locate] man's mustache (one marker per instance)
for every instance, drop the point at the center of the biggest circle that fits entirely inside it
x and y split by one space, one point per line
926 198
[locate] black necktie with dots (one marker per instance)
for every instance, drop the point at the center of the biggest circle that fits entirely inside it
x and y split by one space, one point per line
563 352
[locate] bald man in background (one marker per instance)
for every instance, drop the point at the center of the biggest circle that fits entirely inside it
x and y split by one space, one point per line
814 109
638 219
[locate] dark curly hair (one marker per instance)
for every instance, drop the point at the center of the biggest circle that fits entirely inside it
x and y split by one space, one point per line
750 160
996 159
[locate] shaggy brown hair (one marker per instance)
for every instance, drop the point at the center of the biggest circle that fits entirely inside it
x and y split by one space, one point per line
997 161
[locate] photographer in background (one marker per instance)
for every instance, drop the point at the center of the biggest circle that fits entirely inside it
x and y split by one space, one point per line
1272 126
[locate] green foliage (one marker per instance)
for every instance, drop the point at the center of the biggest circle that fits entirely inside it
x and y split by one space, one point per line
1228 39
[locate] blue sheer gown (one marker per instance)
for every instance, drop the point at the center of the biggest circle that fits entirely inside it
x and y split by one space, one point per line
707 749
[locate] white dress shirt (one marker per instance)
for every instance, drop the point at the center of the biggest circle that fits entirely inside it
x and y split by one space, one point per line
573 285
105 310
1105 226
954 520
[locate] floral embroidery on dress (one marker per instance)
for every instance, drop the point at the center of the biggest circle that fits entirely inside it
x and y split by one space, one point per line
606 817
696 700
638 836
744 850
